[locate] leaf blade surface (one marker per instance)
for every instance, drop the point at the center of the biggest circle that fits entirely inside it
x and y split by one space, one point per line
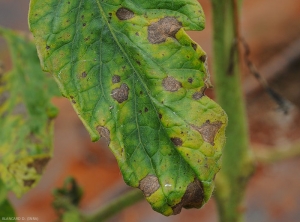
26 116
136 78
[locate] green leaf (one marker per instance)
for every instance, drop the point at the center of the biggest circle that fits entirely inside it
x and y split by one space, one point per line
6 208
7 212
135 78
25 116
72 216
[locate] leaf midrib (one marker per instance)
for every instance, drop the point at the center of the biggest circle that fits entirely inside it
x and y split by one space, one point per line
144 85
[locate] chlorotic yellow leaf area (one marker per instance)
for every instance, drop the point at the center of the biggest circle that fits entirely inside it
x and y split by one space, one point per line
26 115
135 78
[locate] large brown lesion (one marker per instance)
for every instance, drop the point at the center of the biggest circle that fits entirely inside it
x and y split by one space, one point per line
171 84
192 198
208 130
159 31
120 94
149 185
124 14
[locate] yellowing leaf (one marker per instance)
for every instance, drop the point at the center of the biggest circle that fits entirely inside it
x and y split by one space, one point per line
26 116
136 78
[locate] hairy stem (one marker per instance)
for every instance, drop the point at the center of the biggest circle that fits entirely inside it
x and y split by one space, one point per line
117 205
237 165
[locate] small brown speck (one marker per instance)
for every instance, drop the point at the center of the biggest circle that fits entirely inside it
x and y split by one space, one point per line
39 164
28 183
84 74
116 79
104 132
202 58
176 141
194 46
198 95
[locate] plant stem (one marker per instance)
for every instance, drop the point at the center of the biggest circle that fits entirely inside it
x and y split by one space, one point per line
237 165
115 206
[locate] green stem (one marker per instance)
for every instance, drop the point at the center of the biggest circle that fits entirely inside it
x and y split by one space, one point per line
115 206
237 165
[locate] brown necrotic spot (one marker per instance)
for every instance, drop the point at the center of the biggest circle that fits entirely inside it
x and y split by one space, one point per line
3 97
104 132
83 75
149 185
190 80
208 131
159 31
198 95
28 183
176 141
171 84
194 46
39 164
124 14
116 79
202 58
192 198
20 109
120 94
